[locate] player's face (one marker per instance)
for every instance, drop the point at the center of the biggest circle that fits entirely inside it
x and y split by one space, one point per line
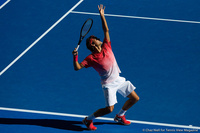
96 42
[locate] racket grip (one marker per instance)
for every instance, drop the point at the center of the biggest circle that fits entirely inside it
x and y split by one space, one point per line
77 47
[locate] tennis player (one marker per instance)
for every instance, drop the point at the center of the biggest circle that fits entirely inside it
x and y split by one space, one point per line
103 61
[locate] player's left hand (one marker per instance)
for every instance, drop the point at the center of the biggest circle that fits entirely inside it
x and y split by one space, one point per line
101 9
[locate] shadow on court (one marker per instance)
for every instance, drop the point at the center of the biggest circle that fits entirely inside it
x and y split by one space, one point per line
52 123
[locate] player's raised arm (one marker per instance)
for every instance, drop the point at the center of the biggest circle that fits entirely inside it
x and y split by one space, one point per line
77 65
104 23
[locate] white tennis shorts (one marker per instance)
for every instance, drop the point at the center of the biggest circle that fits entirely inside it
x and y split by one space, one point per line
119 85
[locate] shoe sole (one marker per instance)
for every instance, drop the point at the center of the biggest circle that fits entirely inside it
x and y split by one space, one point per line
121 122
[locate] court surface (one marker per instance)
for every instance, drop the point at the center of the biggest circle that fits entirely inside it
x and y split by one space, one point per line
156 45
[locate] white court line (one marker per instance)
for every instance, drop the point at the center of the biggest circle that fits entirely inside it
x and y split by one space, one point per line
4 4
26 50
100 118
137 17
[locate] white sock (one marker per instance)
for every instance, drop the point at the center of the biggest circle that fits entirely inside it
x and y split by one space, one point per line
91 117
121 112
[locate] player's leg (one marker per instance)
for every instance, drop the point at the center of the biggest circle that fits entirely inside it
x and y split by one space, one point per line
127 90
133 98
120 117
104 111
110 101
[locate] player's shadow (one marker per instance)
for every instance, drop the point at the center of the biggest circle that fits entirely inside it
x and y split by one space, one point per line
52 123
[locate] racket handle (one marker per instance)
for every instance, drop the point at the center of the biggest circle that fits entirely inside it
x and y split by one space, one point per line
77 47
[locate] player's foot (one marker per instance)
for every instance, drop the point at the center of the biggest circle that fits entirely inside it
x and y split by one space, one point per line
122 120
89 124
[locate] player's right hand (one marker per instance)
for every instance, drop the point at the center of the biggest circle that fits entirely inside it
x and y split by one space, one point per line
75 52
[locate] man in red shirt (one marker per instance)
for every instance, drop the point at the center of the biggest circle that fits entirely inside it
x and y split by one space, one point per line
103 61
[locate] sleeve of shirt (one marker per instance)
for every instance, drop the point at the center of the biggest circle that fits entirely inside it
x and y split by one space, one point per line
106 42
87 62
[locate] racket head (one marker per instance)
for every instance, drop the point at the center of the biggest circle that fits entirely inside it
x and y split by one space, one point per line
86 27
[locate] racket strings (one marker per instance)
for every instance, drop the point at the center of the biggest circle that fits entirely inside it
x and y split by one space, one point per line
86 28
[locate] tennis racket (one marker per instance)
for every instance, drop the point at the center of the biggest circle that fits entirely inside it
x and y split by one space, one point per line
84 30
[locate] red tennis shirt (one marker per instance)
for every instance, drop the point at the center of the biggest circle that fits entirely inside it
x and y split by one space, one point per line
104 63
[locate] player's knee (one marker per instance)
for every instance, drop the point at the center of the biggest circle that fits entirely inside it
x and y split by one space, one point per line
135 99
110 109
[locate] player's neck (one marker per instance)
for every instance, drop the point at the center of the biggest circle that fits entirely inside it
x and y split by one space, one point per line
97 49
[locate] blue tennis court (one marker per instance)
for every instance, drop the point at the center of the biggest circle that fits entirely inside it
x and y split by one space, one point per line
17 120
156 45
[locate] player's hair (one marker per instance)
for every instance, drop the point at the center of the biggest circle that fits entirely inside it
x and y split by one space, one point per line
88 42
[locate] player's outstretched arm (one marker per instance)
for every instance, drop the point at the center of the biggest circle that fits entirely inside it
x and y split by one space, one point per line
77 65
104 23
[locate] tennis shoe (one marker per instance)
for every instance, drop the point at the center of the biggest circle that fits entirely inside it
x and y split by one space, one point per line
89 124
122 120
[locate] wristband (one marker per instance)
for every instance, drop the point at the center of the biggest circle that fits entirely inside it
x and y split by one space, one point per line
75 58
